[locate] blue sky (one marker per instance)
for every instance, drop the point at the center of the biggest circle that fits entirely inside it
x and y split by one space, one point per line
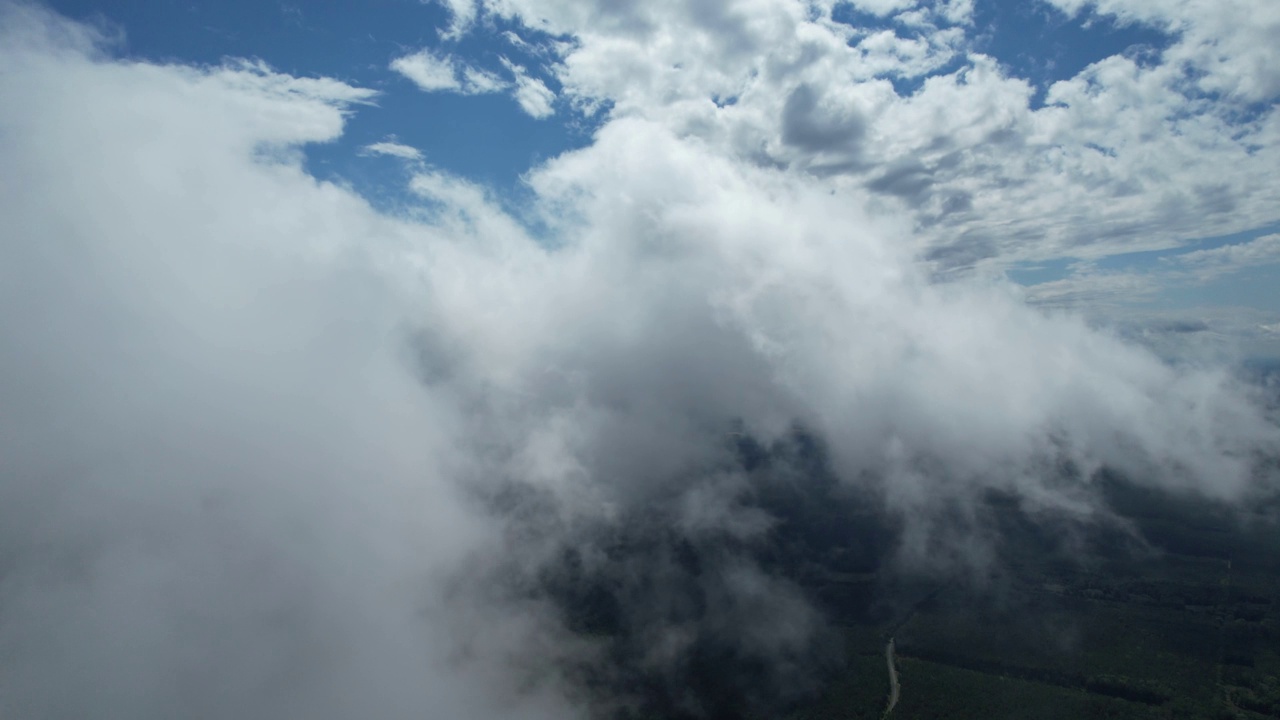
487 138
483 137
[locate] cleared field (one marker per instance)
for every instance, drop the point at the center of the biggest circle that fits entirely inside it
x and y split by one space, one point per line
932 690
1185 626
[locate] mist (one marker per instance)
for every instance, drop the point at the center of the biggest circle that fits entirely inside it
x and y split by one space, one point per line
268 451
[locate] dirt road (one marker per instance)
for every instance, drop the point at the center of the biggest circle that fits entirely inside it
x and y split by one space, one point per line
895 689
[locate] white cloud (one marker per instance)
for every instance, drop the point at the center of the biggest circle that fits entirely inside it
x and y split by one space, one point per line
1126 156
297 458
1215 262
515 39
217 424
428 71
533 95
1089 286
882 7
959 12
477 82
1131 298
433 73
1234 46
394 149
1085 284
1207 335
463 14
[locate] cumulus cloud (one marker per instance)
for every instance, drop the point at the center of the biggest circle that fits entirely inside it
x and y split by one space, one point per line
428 71
1232 45
272 453
1141 150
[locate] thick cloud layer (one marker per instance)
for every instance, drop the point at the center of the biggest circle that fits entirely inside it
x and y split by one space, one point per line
271 453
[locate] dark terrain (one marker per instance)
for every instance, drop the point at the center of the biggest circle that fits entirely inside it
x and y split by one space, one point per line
1164 606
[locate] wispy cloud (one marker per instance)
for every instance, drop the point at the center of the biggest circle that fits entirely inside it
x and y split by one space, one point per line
394 149
1085 283
433 72
463 14
1206 265
1131 298
533 95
